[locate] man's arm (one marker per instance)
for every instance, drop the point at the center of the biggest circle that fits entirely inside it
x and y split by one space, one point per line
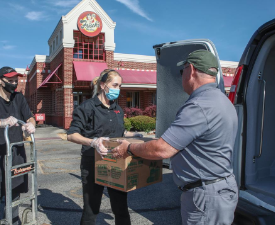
154 150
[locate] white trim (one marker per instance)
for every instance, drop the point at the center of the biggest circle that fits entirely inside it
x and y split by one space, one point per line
153 86
42 58
120 57
20 70
97 8
134 58
152 59
229 64
118 69
67 86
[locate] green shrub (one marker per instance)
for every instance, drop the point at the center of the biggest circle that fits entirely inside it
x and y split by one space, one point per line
127 124
143 123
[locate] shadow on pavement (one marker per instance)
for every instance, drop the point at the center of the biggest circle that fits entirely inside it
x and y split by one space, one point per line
158 203
56 207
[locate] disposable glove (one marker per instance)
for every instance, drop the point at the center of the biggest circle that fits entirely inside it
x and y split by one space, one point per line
29 127
98 145
11 121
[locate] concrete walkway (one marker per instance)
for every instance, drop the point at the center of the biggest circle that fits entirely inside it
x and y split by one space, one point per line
47 133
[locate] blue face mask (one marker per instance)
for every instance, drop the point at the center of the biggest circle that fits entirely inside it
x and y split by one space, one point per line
113 93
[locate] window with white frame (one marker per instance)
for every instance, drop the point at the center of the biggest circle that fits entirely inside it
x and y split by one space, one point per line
133 99
56 40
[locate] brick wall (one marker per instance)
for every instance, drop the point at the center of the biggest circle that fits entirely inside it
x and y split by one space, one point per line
110 59
226 70
134 65
68 84
22 87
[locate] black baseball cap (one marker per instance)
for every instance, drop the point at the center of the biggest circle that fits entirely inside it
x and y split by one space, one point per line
202 60
9 72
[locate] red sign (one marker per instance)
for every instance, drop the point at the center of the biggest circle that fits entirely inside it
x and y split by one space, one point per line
40 117
89 23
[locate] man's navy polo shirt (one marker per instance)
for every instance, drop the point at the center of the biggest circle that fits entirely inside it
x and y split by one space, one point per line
204 132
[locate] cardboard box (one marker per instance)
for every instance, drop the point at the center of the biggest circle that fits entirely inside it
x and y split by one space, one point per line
126 174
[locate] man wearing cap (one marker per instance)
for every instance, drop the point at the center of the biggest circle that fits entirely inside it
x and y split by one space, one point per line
200 142
13 106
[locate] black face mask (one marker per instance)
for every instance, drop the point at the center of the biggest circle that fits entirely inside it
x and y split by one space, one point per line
9 87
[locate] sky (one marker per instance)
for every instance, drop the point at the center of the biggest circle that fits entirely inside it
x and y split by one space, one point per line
26 25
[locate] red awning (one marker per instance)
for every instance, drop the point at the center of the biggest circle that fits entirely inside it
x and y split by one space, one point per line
49 77
138 77
227 80
87 71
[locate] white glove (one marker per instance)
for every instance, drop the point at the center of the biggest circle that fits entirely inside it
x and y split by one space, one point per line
29 127
11 121
98 145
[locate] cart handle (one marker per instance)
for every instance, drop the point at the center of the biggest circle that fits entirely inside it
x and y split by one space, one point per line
8 141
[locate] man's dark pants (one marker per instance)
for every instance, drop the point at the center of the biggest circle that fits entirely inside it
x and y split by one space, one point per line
92 194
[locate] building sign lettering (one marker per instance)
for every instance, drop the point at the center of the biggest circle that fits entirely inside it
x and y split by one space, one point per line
89 23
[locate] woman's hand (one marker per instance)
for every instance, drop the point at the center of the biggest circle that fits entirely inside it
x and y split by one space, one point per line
98 145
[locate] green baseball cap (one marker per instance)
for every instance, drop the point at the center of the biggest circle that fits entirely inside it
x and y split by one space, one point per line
202 60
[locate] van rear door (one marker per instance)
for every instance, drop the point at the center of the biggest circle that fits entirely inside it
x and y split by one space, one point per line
254 155
170 94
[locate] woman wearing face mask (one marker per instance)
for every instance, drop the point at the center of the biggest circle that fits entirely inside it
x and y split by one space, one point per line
13 106
94 120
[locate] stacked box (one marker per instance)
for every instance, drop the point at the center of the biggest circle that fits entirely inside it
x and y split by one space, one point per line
126 174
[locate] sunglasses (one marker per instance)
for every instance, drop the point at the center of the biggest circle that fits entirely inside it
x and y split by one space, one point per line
184 67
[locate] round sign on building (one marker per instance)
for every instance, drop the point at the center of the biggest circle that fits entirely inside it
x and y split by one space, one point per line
89 24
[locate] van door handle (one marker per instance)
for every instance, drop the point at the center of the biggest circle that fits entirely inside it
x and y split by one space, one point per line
260 78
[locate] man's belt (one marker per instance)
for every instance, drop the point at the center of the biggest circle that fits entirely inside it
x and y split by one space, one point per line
199 183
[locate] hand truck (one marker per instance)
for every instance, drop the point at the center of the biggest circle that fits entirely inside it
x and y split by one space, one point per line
20 170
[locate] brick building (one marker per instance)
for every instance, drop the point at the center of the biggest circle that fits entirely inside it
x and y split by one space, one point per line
80 47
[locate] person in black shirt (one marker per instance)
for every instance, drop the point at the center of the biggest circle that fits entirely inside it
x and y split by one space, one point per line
13 106
94 120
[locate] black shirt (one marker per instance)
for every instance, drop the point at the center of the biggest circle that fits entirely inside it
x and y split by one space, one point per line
18 108
93 119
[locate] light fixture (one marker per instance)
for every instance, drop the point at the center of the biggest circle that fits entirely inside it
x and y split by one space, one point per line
28 68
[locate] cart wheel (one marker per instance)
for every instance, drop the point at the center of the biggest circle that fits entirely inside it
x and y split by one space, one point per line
24 215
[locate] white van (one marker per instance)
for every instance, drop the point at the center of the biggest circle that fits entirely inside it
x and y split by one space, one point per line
252 94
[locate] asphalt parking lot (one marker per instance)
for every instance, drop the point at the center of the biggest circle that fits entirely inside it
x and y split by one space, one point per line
60 194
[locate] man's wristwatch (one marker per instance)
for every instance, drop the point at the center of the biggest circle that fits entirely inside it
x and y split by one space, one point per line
129 151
